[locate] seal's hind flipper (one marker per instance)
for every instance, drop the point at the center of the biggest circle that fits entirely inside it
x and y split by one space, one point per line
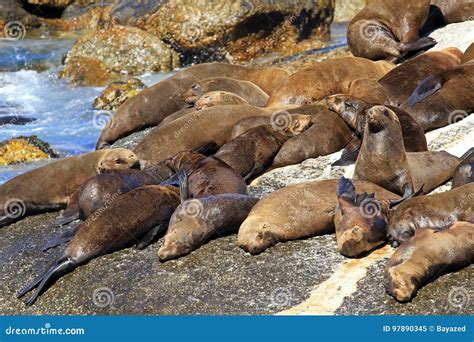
149 237
56 270
345 188
406 196
420 44
183 186
427 87
349 153
172 181
257 168
468 153
67 236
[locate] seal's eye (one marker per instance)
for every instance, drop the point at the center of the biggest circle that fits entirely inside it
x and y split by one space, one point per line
349 104
194 87
119 161
297 123
385 112
408 234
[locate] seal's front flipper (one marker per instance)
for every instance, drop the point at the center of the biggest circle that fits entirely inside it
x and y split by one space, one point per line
427 87
345 188
420 44
56 270
183 186
407 195
62 238
149 237
349 153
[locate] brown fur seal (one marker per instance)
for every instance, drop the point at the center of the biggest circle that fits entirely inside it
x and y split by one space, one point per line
332 76
296 211
136 217
328 134
443 98
353 111
195 221
252 152
193 130
245 89
403 80
369 90
361 220
153 104
385 28
455 11
435 211
200 176
426 256
464 172
49 187
219 98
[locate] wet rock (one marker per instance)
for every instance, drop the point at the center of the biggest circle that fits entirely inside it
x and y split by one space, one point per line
132 12
24 149
15 120
83 71
117 93
347 9
243 29
125 50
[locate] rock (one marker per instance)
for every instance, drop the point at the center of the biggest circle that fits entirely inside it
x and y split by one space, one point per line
243 29
54 3
459 35
347 9
24 150
125 50
132 12
117 93
83 71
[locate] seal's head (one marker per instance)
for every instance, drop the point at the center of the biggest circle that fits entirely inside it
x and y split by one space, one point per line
381 118
218 98
298 124
348 107
362 225
118 159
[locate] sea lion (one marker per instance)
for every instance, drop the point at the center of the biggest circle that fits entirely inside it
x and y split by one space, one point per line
331 76
245 89
435 211
328 134
48 188
200 176
464 172
136 217
403 80
153 104
353 111
369 90
426 256
253 151
361 220
389 29
455 11
219 98
197 220
212 124
296 211
443 98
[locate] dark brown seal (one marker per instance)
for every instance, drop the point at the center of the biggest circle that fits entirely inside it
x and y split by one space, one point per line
332 76
245 89
328 134
196 221
455 11
48 188
385 28
253 152
153 104
403 80
296 211
135 218
428 255
435 211
464 172
193 130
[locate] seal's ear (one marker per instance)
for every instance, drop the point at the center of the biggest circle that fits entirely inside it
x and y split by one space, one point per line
394 203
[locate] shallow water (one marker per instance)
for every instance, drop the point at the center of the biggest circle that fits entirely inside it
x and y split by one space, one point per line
29 86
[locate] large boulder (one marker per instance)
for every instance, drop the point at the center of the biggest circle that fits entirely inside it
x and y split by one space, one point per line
24 150
117 93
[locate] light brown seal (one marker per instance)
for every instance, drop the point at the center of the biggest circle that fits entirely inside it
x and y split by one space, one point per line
332 76
426 256
48 188
219 98
468 54
296 211
369 90
196 221
153 104
435 211
193 130
464 172
245 89
135 218
389 29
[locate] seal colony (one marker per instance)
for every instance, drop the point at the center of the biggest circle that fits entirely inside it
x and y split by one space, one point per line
217 126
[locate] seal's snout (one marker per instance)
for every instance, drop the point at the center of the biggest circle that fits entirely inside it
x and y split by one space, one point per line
101 144
335 103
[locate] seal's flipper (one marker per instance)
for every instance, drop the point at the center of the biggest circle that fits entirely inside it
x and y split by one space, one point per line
183 186
420 44
257 168
468 153
427 87
406 196
58 268
62 238
350 153
172 181
66 219
345 188
149 237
